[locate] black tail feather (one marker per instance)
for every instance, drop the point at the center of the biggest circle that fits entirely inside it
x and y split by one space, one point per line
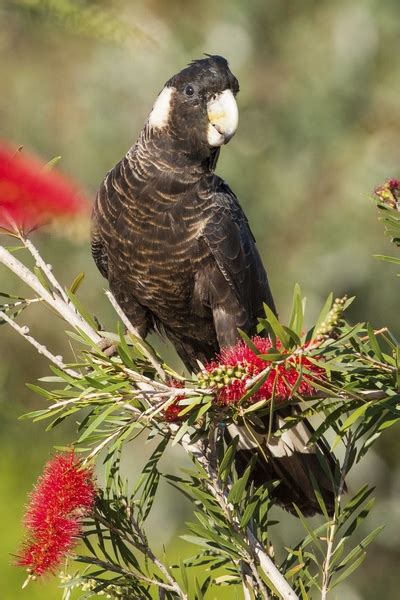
288 458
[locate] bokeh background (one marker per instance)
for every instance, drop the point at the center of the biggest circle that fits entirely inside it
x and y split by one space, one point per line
319 129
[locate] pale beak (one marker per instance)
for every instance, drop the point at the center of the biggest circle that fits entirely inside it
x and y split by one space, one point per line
223 117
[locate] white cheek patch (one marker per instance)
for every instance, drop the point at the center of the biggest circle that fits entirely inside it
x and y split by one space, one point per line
159 116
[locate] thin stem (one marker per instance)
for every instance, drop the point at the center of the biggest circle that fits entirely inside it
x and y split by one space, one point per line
376 332
20 304
270 570
247 581
326 575
247 568
156 561
266 564
143 546
103 444
348 395
44 267
96 397
66 311
24 331
133 331
162 387
113 568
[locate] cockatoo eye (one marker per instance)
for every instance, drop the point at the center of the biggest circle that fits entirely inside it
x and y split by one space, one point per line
189 90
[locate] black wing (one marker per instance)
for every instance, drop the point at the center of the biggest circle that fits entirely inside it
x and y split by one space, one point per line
105 213
110 244
239 285
99 251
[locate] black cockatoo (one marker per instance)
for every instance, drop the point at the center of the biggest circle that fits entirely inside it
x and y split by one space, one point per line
179 255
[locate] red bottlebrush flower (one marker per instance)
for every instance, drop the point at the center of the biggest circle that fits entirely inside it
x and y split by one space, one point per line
30 195
234 366
394 185
171 413
63 495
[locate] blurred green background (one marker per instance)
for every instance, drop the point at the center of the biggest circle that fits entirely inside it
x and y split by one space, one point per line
319 129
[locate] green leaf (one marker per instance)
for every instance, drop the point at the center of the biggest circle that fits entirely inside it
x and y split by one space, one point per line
205 585
93 425
52 163
323 314
355 415
149 494
228 458
248 513
273 356
227 580
260 382
255 407
75 285
374 343
199 541
236 492
294 338
75 382
355 330
390 259
248 341
212 538
41 391
82 310
318 495
11 296
388 423
304 595
183 574
311 532
358 520
349 570
42 278
357 500
278 329
123 348
184 428
361 547
294 570
297 315
199 593
204 408
197 412
151 464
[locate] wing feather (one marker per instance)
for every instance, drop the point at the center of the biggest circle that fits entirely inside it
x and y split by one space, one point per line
239 298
